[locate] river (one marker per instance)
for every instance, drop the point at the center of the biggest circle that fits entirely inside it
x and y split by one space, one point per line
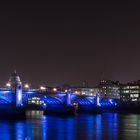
109 126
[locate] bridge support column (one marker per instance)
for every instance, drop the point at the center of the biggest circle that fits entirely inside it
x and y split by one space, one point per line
98 100
68 97
18 90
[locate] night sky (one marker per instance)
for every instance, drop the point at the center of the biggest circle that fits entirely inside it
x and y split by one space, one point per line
54 43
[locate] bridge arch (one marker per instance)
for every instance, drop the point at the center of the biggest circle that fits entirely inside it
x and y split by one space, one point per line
83 100
4 100
52 100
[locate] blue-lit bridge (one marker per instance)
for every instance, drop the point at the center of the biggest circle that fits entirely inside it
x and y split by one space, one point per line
43 99
15 97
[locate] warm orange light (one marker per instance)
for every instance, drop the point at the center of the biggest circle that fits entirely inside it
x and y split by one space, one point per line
26 86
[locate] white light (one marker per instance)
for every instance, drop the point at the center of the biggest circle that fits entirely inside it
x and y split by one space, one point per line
66 90
8 85
83 93
54 89
33 101
26 86
42 88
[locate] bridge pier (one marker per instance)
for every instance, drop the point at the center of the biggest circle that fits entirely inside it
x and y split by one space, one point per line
16 85
98 100
15 108
68 98
18 91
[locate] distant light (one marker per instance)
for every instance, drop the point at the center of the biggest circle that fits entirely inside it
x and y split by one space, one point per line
66 90
91 94
83 93
54 89
33 101
44 104
26 86
42 88
8 85
74 103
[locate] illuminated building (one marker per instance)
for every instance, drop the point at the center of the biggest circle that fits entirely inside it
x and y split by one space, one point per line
87 91
130 91
109 89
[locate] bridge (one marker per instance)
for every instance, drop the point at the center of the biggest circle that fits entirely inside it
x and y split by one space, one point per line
39 98
15 96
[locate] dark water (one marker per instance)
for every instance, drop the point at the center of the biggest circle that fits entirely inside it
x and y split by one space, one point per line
109 126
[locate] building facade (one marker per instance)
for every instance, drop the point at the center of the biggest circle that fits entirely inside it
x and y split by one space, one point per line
130 91
87 91
109 89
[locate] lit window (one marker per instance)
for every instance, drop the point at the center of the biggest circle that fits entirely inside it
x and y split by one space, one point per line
134 95
126 91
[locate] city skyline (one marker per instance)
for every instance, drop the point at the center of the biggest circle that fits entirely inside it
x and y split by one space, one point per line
15 76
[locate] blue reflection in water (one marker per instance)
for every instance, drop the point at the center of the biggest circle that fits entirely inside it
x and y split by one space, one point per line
5 133
70 123
98 130
109 126
44 128
20 130
60 128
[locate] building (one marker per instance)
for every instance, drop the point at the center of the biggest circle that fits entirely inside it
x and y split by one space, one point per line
109 89
130 91
87 91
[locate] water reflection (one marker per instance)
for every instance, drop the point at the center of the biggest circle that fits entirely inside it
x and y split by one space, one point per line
109 126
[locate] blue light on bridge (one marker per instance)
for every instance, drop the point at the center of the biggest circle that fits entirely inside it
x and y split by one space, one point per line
7 97
108 102
98 101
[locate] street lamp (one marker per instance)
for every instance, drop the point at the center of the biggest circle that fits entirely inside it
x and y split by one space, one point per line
66 90
42 88
26 86
8 85
54 89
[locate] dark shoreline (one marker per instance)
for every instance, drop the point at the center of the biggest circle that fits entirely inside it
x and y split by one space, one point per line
14 113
